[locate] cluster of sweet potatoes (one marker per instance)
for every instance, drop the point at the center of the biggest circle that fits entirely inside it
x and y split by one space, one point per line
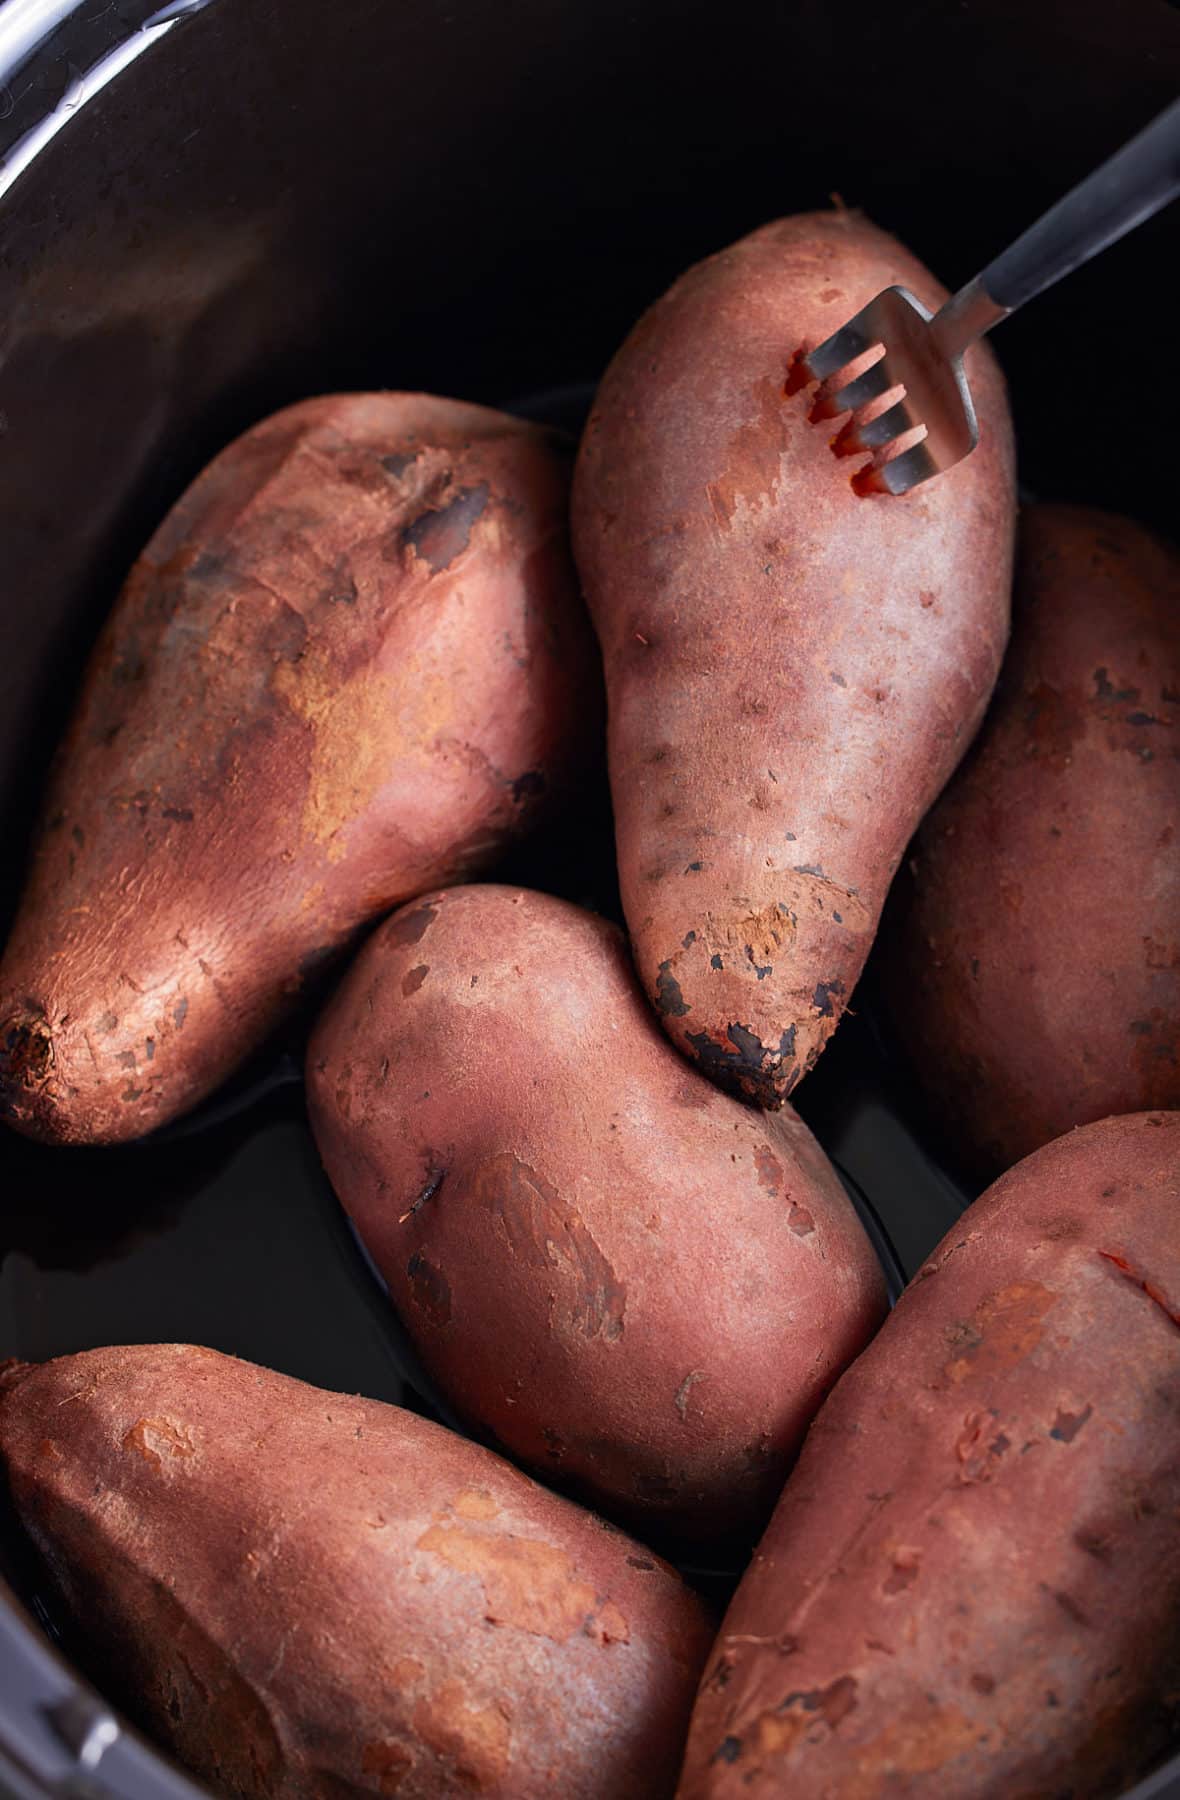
349 669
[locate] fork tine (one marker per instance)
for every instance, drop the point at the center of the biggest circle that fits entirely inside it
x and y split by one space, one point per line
875 381
906 471
843 347
882 430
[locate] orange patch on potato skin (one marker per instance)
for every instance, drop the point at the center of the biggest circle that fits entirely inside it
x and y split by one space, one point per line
406 1671
1002 1331
477 1740
527 1584
387 1763
155 1439
476 1503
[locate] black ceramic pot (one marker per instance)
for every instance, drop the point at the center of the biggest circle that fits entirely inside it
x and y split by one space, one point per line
213 208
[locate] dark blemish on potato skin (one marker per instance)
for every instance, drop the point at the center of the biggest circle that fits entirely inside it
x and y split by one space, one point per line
430 1188
1066 1602
743 1068
414 978
1094 1544
693 868
179 1013
983 1684
642 1562
690 937
410 927
833 1702
1105 690
822 998
429 1289
439 536
728 1750
811 869
670 1001
182 815
1066 1425
761 970
26 1055
529 786
715 961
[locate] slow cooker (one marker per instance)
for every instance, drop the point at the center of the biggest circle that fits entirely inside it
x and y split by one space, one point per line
212 207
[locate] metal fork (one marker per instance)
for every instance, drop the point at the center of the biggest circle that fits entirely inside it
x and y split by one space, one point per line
922 352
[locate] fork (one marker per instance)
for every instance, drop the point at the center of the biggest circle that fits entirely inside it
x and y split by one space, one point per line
930 424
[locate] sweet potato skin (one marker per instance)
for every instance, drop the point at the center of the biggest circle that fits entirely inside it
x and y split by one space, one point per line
792 670
1031 952
640 1286
315 1595
350 664
971 1584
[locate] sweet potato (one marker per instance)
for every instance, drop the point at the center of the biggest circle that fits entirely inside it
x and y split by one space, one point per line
641 1287
971 1586
1031 952
349 665
792 670
309 1596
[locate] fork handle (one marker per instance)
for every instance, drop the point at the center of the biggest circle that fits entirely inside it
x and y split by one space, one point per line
1132 185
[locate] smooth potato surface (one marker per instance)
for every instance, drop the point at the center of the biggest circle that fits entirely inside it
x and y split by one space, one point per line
349 665
792 670
640 1286
970 1589
1031 955
310 1596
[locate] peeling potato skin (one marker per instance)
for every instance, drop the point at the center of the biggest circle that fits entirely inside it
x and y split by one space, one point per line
971 1584
350 664
641 1287
312 1595
792 671
1037 917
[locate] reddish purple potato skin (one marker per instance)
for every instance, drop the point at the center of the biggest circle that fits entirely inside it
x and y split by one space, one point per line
971 1586
641 1287
1031 953
350 664
792 671
311 1596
